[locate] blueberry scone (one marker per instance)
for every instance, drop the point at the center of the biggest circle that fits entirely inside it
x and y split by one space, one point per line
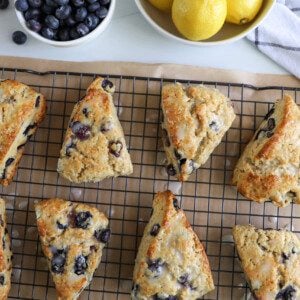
269 168
5 255
270 260
171 262
94 147
72 237
195 118
22 109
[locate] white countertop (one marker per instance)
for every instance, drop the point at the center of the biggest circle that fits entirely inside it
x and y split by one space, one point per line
130 38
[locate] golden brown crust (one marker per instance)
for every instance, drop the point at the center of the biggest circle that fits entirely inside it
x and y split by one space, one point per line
171 261
195 120
100 151
270 260
269 165
72 238
22 109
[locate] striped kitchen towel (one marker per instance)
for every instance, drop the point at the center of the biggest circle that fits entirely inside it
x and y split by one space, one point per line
279 35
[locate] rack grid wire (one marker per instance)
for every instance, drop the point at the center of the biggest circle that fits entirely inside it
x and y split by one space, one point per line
212 205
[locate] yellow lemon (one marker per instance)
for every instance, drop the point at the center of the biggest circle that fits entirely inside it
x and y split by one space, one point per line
199 19
242 11
164 5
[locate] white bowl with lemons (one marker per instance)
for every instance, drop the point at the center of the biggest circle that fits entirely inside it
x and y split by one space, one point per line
161 19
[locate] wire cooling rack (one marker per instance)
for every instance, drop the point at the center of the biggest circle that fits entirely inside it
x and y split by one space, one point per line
212 205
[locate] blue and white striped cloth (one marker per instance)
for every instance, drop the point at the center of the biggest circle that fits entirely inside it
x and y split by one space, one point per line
279 35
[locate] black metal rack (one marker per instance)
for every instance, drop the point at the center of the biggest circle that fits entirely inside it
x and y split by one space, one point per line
210 202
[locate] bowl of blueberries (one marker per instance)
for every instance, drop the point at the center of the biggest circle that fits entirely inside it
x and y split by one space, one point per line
64 22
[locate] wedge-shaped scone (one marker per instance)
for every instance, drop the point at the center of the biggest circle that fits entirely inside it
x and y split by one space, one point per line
269 168
195 119
171 262
94 147
5 255
270 260
72 237
22 109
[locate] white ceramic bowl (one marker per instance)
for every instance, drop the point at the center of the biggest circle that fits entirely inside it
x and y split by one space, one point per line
163 23
87 38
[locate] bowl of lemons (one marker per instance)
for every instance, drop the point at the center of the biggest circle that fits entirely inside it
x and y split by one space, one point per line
205 22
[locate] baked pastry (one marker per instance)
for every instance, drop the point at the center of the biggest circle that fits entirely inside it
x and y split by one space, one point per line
22 109
270 260
72 237
171 262
195 118
269 168
94 147
5 255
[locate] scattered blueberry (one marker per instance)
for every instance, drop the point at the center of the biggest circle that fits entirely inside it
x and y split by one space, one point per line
155 266
271 124
63 34
82 219
4 4
80 14
155 230
176 204
35 3
61 226
81 131
82 29
58 261
9 162
106 127
69 148
47 33
102 235
19 37
270 113
171 170
2 279
85 111
63 12
93 7
213 125
107 84
32 13
80 265
115 148
289 293
102 12
51 22
78 3
21 5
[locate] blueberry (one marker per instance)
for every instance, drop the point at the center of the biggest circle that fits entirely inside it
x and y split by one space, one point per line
70 21
58 261
61 2
157 297
51 3
61 226
80 264
271 124
21 5
166 138
19 37
80 14
47 9
37 101
81 131
289 293
78 3
284 257
104 2
47 33
51 22
82 219
171 170
115 148
74 34
4 4
82 29
270 113
85 111
63 12
102 235
106 127
102 12
176 204
63 34
93 7
155 266
107 85
69 148
177 154
91 1
2 279
214 126
9 162
155 230
32 13
91 21
184 280
35 3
